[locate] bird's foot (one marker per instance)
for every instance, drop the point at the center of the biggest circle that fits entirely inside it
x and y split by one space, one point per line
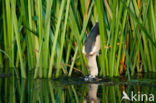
90 78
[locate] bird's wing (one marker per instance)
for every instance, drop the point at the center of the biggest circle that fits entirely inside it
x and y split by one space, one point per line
91 39
96 46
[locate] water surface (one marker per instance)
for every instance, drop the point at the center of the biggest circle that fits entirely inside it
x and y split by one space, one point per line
139 89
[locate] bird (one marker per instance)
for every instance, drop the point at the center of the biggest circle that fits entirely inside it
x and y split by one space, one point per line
92 94
91 48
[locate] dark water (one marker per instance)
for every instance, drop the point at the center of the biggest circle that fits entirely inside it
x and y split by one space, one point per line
140 89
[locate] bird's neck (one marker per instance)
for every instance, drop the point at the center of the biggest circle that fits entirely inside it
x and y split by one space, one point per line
92 61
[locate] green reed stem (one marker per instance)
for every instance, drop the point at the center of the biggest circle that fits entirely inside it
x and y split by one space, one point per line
100 10
10 34
63 39
17 34
55 39
46 37
121 40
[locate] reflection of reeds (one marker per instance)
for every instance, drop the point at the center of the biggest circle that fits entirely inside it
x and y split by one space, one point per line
43 35
47 91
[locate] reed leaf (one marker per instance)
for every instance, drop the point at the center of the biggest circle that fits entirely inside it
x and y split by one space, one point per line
55 39
17 34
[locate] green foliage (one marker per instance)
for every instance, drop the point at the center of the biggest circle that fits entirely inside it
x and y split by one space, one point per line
46 36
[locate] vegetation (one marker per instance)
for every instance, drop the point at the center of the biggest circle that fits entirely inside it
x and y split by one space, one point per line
70 91
46 36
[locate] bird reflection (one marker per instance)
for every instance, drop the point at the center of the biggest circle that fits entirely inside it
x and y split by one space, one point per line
92 94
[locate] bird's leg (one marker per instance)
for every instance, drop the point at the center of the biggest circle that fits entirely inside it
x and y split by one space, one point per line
93 91
92 94
92 66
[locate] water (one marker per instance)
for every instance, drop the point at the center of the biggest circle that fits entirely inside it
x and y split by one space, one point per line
74 90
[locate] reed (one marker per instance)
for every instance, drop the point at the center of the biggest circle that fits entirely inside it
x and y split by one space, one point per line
62 39
47 36
17 34
55 39
47 90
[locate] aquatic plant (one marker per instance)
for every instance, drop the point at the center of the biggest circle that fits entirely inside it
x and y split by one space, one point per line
46 36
